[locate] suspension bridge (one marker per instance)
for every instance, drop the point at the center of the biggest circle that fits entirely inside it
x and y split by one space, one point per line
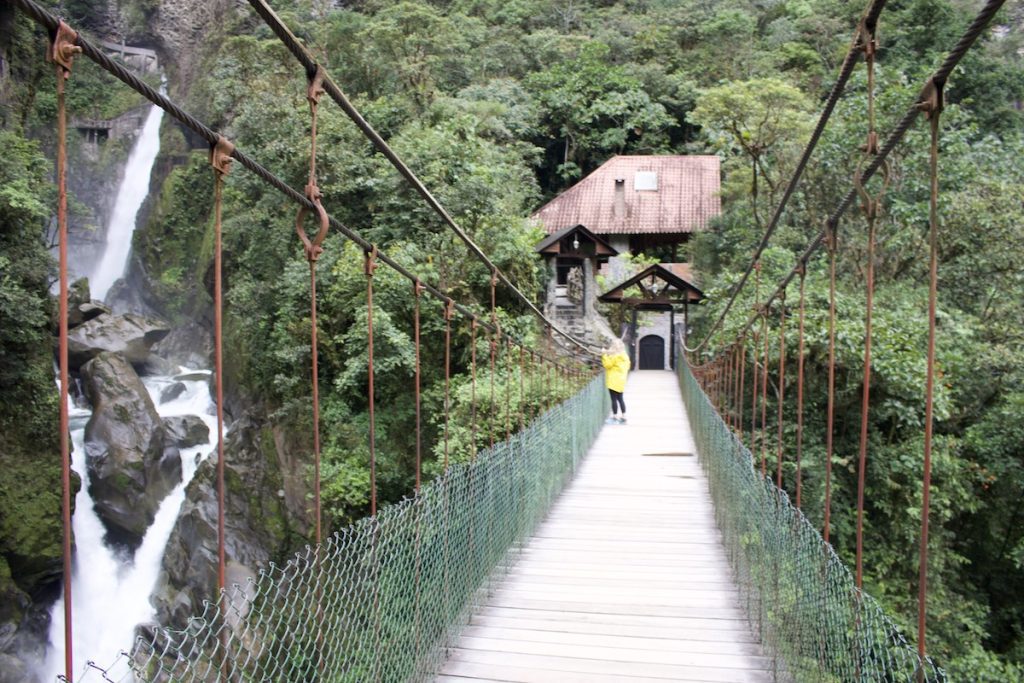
663 549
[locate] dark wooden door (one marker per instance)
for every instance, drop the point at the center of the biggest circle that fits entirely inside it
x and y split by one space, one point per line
652 353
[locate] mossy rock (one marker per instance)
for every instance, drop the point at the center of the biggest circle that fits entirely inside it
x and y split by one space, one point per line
31 527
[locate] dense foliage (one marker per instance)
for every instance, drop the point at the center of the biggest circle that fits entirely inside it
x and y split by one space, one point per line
498 104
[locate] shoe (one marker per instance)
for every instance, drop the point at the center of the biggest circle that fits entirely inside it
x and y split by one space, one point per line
622 420
611 421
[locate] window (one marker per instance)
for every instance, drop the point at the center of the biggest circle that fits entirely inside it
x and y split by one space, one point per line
645 180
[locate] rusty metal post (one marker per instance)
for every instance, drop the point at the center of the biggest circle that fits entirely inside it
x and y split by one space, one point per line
449 310
508 388
220 160
472 399
932 107
782 385
522 389
800 390
764 397
371 265
417 289
61 52
831 412
739 391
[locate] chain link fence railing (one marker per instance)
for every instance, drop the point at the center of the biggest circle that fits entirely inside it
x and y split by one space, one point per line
801 599
381 600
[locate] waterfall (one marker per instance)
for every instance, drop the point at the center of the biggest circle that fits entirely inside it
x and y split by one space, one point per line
130 195
110 592
110 589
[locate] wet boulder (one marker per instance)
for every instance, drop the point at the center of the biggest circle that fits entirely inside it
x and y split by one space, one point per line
259 525
186 431
130 469
189 344
172 391
129 335
155 366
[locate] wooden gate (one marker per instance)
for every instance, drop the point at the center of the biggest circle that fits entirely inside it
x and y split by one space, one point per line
652 353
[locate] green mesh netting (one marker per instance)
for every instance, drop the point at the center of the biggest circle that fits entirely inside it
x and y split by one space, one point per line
802 601
380 600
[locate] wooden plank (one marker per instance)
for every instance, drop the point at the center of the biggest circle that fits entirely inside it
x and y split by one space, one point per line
614 641
523 577
650 610
654 621
501 661
615 654
716 631
472 671
633 573
626 578
634 595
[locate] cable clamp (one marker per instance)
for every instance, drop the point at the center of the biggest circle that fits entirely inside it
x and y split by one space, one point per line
220 155
370 264
313 247
62 50
872 206
932 98
867 40
315 90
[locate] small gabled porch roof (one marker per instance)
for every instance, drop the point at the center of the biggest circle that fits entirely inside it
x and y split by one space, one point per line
590 245
674 290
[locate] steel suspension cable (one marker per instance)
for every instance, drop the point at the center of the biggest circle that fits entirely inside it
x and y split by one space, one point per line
939 77
50 22
740 396
522 389
755 346
472 395
310 64
448 310
508 385
870 19
494 348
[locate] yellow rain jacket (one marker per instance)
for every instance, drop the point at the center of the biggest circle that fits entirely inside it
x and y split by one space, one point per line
616 366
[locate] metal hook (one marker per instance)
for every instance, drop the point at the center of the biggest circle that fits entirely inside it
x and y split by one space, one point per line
313 247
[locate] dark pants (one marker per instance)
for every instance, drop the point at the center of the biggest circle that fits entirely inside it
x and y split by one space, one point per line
617 402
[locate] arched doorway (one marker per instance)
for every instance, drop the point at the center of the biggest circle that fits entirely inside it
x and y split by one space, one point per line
652 353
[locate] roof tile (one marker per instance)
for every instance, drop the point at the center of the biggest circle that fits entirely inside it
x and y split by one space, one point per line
686 198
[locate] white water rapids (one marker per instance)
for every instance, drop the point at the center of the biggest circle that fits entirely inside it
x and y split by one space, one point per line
110 589
110 592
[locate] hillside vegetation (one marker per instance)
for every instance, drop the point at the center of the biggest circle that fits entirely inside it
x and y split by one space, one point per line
500 104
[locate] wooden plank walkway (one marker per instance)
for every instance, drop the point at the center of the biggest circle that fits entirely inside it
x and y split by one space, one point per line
626 580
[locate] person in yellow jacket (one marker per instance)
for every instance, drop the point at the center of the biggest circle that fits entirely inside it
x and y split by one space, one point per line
616 367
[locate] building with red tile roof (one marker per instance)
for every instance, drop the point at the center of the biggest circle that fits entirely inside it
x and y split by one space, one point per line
652 199
631 204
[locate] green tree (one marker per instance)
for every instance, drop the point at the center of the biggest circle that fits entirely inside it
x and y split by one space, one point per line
594 109
762 119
